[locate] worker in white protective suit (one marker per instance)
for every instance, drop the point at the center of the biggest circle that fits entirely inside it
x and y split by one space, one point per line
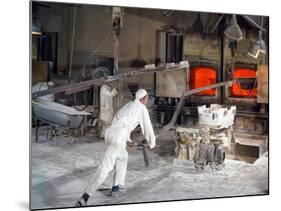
106 107
44 86
116 136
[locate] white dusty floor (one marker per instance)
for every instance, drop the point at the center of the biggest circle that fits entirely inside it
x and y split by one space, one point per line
60 172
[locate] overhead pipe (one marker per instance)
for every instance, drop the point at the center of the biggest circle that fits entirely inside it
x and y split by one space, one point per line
215 26
251 21
72 44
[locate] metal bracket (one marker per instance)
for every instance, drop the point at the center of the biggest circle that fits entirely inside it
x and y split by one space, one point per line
170 125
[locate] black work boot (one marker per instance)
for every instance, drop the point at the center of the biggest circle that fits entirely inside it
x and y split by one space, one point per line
115 191
82 201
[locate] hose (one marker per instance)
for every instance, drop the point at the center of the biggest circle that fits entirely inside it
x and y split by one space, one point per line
86 104
95 51
95 72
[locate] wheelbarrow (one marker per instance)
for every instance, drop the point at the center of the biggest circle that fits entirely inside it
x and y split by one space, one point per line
57 116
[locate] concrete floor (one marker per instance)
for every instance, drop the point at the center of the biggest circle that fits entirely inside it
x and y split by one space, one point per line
60 171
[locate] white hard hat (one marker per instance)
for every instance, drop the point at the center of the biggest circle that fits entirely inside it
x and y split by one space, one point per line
51 83
141 93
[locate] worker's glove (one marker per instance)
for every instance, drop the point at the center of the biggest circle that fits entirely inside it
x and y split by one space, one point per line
152 146
130 143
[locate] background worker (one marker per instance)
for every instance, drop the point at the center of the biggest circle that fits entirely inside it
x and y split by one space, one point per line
106 107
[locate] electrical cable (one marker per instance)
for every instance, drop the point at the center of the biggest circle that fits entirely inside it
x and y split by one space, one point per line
95 72
72 44
87 103
85 63
95 51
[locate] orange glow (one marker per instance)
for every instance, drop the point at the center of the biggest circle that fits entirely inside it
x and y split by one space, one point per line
203 76
237 90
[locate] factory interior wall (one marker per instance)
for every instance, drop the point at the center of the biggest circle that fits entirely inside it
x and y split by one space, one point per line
138 41
196 47
56 19
94 22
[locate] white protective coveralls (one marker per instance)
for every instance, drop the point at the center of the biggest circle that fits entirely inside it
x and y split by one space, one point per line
116 136
43 86
106 106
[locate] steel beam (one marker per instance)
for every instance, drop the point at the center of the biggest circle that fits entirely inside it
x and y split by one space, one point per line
251 21
76 87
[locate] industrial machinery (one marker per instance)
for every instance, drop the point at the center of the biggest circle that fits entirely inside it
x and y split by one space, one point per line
205 144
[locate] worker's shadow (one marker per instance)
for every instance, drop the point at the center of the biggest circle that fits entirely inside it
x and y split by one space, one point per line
105 191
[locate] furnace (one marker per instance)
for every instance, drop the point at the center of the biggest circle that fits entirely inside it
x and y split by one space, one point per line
203 76
246 84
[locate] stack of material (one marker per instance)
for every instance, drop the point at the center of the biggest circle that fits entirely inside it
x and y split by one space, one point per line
216 116
199 145
186 144
188 140
205 144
